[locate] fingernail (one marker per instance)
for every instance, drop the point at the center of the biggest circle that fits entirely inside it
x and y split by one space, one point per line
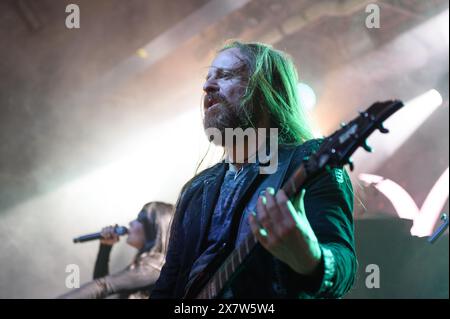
264 200
253 213
271 190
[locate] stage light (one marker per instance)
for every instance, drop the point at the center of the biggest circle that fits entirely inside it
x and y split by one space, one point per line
431 99
307 96
424 217
142 53
431 209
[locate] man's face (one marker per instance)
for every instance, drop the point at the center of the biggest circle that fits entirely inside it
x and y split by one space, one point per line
225 85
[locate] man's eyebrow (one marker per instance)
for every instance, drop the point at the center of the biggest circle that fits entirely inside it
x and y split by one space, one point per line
216 68
224 70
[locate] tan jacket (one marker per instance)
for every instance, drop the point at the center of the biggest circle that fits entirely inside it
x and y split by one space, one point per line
133 282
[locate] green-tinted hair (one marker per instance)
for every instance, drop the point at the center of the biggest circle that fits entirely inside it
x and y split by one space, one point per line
272 89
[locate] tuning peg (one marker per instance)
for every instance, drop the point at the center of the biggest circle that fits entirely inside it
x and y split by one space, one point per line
383 129
363 113
350 164
366 115
367 147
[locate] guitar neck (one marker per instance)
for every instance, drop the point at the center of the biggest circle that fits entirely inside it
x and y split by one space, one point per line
225 272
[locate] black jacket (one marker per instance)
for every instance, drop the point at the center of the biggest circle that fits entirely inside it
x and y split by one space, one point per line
328 205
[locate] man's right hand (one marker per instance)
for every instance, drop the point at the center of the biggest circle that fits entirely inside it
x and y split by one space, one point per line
109 236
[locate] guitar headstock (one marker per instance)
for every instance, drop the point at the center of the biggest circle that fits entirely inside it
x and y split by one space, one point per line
336 149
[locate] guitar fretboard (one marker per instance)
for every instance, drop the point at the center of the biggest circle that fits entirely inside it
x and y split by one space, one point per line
228 268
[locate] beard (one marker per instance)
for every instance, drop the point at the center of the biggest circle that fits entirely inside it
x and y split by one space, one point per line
227 115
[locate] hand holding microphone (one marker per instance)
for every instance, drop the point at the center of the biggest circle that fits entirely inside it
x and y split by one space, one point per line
108 236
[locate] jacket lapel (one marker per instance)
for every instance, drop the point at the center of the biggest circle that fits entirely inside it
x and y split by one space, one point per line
211 191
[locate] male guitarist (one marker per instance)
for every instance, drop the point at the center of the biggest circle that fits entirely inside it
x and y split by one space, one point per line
306 243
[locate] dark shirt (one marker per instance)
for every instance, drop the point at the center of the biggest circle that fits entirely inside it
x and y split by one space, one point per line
221 219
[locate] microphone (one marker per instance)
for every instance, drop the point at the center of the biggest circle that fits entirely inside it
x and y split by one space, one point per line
119 230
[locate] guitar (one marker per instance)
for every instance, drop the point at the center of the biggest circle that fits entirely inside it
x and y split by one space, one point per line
334 151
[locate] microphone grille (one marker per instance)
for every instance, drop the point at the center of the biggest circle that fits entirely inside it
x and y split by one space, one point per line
121 230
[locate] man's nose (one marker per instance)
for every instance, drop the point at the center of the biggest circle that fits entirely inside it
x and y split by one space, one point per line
210 86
